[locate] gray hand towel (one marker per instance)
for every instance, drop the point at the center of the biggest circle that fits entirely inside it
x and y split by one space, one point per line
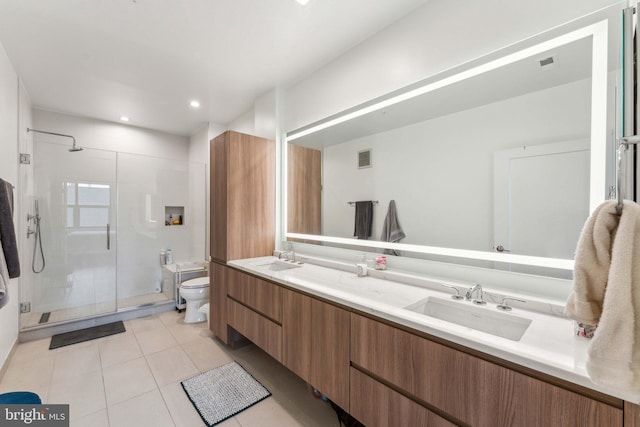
4 280
7 231
391 229
364 220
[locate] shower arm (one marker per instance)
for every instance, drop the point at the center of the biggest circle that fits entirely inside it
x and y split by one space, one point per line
53 133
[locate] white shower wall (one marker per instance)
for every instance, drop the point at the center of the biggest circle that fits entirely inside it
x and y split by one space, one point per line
153 171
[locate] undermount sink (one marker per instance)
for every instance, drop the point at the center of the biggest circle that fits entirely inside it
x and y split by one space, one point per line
479 318
280 265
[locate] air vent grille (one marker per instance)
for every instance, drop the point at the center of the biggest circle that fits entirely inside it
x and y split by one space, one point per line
364 159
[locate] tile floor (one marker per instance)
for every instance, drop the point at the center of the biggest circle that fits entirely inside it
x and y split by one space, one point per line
133 378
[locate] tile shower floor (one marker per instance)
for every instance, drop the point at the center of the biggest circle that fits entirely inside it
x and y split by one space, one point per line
133 378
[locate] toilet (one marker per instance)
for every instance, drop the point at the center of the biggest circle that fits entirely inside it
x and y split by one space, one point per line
196 293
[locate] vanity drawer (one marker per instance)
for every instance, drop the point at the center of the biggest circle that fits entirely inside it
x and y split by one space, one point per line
470 389
376 405
261 331
260 295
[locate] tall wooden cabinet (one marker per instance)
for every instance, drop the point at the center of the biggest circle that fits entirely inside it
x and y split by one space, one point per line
242 209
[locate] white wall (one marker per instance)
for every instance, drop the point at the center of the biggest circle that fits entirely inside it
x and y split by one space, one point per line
450 172
435 37
99 134
9 113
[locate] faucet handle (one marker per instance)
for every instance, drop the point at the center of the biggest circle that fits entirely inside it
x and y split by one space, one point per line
506 307
457 296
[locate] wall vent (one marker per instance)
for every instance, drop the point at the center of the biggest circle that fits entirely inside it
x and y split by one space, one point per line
548 62
364 159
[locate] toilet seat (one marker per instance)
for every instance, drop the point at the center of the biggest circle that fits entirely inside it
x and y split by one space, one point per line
198 283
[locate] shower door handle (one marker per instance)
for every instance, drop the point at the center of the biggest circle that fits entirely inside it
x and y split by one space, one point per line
108 237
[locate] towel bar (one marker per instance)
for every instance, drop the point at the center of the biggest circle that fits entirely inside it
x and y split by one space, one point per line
622 148
375 202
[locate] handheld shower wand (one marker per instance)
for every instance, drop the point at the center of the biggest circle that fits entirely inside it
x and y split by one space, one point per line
38 237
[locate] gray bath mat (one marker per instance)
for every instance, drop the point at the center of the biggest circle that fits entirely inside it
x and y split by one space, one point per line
87 334
223 392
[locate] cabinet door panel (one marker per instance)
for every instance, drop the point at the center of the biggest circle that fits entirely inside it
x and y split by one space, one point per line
218 198
296 331
330 343
218 299
261 331
470 389
376 405
260 295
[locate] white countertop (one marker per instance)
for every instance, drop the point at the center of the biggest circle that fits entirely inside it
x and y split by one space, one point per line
548 345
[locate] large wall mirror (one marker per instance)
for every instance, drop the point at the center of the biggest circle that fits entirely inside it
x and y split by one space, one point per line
495 163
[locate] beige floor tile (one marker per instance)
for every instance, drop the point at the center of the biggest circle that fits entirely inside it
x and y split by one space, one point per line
147 410
180 407
146 324
172 365
207 353
152 341
268 413
33 349
126 380
77 359
97 419
83 393
170 317
120 349
187 332
33 374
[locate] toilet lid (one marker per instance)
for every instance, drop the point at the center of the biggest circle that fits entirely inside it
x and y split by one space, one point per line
200 282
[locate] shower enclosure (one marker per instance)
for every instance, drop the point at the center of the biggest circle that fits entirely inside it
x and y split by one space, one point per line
102 227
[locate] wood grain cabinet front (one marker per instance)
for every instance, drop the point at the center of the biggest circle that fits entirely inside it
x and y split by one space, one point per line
376 405
316 344
467 389
259 295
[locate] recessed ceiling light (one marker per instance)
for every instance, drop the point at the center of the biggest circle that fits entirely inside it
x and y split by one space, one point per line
303 2
194 104
124 118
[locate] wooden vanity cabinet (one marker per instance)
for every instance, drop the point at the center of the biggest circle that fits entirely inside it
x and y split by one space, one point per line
315 338
254 309
242 210
461 387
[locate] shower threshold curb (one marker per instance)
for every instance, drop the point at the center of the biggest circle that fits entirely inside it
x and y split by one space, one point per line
128 313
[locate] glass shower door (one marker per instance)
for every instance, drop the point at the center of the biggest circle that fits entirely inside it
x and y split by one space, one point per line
76 196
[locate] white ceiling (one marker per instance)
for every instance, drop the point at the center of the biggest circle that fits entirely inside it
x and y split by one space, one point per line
147 59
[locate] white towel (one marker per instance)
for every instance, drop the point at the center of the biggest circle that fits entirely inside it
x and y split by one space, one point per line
606 291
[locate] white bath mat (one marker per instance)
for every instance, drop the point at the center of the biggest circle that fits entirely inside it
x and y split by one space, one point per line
223 392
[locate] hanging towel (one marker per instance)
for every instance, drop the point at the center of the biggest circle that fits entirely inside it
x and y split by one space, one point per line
4 280
7 231
606 292
391 230
364 219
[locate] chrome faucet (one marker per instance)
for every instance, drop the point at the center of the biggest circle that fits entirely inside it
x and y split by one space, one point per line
469 295
288 256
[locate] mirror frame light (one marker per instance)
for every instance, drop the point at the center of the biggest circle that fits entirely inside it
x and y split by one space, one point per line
599 61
